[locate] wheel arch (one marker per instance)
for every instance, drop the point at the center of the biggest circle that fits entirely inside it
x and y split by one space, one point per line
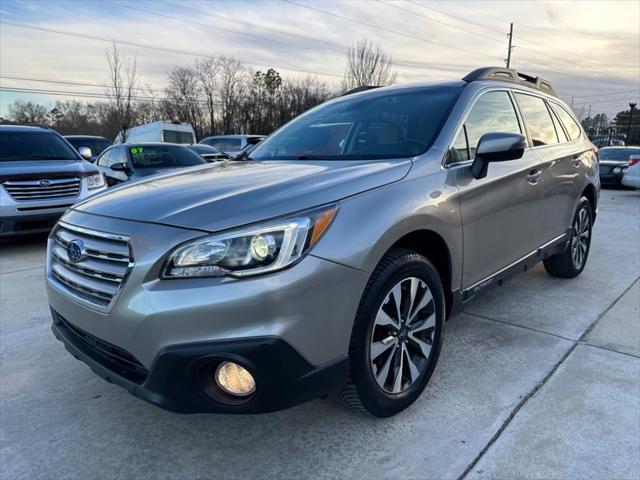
434 247
590 193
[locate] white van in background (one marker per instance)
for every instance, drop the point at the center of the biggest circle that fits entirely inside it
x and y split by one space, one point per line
169 132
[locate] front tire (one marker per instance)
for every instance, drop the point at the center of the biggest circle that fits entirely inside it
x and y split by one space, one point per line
571 262
397 335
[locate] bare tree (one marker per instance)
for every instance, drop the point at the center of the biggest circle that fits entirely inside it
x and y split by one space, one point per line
123 78
367 65
233 85
184 99
28 112
207 71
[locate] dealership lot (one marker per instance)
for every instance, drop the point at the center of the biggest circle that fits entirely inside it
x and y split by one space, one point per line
538 379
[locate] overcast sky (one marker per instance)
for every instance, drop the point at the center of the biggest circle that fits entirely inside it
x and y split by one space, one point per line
589 49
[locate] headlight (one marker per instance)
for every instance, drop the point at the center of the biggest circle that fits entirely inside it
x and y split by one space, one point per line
250 251
95 181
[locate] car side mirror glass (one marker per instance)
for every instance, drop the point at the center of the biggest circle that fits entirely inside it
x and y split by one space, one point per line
497 147
85 152
120 167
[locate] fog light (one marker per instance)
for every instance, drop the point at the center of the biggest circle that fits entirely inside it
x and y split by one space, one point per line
235 379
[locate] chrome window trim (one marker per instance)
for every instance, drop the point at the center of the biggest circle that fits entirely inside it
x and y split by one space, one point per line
69 293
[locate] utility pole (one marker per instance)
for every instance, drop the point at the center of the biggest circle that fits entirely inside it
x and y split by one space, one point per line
508 60
589 114
631 107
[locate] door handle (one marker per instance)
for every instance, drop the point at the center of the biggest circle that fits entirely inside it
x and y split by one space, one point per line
534 176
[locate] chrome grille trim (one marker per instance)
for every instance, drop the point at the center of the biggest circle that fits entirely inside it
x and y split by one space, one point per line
24 190
96 280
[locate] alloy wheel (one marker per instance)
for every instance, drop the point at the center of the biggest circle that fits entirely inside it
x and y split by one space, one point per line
402 335
580 238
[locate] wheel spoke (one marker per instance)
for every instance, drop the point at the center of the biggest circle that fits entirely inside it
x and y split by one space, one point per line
378 348
413 369
385 320
424 301
429 322
397 382
383 372
424 346
413 293
396 294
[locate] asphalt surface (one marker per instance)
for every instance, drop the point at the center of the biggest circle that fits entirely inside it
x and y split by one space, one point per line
537 379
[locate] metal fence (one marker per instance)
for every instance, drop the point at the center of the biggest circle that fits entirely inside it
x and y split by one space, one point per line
615 135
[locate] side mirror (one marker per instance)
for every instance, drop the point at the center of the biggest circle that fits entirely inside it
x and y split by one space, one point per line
85 152
120 167
497 147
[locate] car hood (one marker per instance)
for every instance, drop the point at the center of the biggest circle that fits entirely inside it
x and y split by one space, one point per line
45 169
222 195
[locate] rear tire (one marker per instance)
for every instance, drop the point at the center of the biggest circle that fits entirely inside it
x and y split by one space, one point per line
396 342
571 262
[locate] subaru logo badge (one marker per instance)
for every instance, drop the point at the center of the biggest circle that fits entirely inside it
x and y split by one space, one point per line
76 251
44 183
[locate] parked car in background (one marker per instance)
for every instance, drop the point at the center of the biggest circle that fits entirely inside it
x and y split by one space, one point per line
601 142
232 144
133 161
613 161
631 176
331 262
41 176
209 153
161 131
97 145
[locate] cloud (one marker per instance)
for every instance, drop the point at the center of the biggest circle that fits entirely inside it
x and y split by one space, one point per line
584 48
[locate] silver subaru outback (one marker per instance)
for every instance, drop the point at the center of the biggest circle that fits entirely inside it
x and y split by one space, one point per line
328 259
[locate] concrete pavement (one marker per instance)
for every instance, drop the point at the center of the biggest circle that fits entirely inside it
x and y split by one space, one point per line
537 379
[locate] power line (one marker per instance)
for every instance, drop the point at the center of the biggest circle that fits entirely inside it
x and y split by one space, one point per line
68 82
211 27
384 29
96 95
520 38
439 21
152 47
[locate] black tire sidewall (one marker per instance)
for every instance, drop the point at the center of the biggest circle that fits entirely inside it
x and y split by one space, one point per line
582 204
374 399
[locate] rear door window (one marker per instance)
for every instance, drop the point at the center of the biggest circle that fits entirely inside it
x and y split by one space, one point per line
567 120
537 119
493 112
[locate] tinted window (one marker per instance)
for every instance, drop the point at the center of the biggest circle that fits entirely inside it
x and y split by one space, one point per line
97 145
493 112
16 146
621 154
173 136
537 118
163 157
567 120
389 125
224 144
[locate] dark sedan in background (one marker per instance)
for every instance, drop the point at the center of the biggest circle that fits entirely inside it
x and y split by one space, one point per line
97 145
613 162
209 153
124 162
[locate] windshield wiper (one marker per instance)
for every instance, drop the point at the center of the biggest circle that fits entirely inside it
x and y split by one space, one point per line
306 157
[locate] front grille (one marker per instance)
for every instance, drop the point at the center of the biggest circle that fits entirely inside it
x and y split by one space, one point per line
98 276
116 359
23 190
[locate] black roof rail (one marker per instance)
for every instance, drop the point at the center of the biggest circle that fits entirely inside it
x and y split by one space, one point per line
510 75
363 88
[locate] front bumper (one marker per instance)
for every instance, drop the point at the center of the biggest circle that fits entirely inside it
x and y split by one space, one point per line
175 381
292 327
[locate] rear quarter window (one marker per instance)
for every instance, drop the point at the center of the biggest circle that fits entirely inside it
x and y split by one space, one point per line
537 118
570 125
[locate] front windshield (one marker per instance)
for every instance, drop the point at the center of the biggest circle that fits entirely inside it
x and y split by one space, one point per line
144 156
392 125
18 146
97 145
621 154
